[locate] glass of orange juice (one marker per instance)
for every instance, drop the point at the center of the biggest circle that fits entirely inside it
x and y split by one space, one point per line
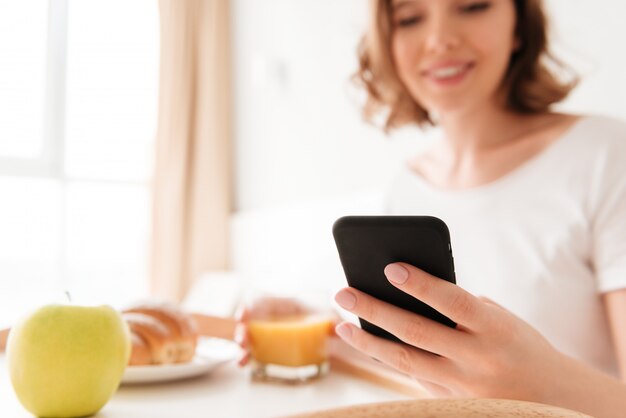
288 337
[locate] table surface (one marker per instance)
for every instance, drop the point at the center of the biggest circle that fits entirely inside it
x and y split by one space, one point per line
226 392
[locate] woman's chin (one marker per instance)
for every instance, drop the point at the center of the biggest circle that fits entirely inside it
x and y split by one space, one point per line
447 110
451 109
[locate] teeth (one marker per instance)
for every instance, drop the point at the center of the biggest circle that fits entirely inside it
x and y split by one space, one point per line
448 72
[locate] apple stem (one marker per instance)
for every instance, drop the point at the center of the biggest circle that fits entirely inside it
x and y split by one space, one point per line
68 296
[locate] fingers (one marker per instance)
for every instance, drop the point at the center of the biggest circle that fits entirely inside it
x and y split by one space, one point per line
244 360
241 338
491 302
447 298
413 329
408 360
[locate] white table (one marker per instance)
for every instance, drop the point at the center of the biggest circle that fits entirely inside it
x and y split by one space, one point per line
226 393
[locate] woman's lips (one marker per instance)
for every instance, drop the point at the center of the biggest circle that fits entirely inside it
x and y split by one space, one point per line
448 74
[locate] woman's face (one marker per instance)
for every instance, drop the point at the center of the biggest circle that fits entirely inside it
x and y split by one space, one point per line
452 55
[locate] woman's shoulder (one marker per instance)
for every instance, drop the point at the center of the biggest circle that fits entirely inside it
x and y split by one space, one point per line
591 140
601 130
598 145
595 140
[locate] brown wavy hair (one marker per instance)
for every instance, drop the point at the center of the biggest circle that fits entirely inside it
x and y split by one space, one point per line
531 80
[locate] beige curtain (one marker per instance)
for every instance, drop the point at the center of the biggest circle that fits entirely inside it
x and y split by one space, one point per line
192 182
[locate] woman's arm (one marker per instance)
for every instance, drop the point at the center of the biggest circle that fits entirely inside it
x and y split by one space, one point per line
491 353
615 305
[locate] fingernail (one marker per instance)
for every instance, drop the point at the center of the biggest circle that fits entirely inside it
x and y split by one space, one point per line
346 299
344 331
396 273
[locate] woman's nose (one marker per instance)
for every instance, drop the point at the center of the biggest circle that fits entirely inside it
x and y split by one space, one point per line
441 35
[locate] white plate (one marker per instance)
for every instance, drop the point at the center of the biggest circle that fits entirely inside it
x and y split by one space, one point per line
210 353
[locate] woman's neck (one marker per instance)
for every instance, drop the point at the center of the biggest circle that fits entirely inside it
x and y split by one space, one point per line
487 144
474 133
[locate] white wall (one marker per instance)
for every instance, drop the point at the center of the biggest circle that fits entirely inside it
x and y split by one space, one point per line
299 135
589 36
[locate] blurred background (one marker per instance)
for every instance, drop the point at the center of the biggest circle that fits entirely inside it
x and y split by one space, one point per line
185 149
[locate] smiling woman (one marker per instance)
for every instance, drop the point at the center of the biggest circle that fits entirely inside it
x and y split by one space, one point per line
386 65
534 200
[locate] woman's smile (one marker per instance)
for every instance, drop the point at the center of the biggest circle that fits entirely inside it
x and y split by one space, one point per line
449 73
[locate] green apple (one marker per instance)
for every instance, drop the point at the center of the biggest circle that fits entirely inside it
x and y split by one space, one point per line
67 361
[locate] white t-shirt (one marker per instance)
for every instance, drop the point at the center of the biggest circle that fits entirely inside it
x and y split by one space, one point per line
544 241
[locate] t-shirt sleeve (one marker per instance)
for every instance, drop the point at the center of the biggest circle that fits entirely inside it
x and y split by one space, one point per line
608 224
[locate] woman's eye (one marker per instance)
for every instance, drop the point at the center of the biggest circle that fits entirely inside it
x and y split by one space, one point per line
409 21
476 7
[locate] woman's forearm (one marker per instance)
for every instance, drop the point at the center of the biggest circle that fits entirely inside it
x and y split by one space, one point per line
589 391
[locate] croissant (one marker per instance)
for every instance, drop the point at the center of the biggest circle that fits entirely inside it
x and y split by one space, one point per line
160 334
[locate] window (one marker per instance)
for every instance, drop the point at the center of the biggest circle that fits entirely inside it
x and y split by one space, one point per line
78 107
23 71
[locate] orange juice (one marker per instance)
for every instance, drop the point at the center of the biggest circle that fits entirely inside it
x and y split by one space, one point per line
290 341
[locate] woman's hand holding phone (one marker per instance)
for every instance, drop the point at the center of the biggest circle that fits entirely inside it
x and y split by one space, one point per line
490 353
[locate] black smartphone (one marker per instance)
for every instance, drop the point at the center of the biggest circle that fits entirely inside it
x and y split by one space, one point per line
367 244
